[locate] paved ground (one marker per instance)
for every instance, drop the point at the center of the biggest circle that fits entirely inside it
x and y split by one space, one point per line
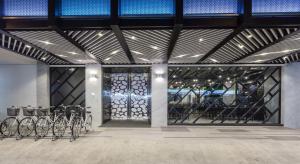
180 145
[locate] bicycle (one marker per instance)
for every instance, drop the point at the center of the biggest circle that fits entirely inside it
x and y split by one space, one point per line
27 125
9 126
64 119
44 122
83 119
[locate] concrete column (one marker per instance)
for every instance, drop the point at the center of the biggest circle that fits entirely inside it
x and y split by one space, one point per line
93 92
43 85
290 95
159 96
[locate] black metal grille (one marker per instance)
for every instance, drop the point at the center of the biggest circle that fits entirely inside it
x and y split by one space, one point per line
224 95
67 86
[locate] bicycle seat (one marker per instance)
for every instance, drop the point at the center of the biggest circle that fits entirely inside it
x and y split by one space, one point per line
89 112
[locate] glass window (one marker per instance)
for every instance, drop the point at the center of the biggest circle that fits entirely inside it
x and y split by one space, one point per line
25 8
224 95
146 7
272 7
85 7
210 7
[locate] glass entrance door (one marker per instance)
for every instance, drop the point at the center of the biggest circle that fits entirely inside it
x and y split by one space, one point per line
126 94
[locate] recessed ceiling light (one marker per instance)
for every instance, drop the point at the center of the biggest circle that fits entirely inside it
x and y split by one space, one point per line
286 51
73 53
180 56
285 58
195 56
144 59
115 52
138 53
28 46
107 59
44 58
258 61
79 60
154 47
46 42
249 36
100 34
133 37
220 76
63 56
214 60
241 46
201 40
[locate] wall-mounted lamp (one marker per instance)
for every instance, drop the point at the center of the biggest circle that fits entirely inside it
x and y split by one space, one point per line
159 75
93 76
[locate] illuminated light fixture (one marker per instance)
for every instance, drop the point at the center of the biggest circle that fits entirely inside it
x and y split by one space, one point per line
28 46
258 61
63 56
133 37
246 77
115 52
230 81
79 60
174 76
209 80
286 51
180 56
249 36
45 42
72 69
195 80
138 53
144 59
241 46
107 59
73 53
228 78
213 60
100 34
220 76
195 56
44 58
154 47
93 94
285 58
201 40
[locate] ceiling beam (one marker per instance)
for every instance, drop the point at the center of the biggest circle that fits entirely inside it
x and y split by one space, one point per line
246 12
33 46
176 30
267 46
120 37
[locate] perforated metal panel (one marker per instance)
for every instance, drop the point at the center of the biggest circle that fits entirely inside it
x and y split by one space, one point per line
290 45
193 44
146 7
247 42
148 46
56 44
210 7
25 7
103 44
276 7
294 57
85 7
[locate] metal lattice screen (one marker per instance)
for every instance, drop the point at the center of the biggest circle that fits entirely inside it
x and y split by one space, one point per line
67 86
126 94
224 95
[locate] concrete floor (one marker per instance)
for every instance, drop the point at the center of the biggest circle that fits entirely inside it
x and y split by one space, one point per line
176 145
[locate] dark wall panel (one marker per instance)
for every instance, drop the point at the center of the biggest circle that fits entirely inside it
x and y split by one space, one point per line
67 86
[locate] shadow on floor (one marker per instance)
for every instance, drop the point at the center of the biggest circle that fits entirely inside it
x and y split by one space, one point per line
127 124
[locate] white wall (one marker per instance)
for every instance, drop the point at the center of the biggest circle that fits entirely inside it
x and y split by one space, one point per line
159 95
18 86
290 95
93 92
43 85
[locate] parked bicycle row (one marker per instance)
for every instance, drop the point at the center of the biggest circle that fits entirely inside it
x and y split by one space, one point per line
39 121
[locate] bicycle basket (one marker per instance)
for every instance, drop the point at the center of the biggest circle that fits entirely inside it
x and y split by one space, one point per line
42 112
28 111
13 111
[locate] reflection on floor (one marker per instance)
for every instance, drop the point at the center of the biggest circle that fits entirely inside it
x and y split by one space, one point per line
171 145
127 124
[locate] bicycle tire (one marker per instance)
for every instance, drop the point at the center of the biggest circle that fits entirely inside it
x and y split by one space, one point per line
42 127
8 130
89 123
59 127
26 127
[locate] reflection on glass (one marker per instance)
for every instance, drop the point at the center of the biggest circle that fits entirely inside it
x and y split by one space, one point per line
224 95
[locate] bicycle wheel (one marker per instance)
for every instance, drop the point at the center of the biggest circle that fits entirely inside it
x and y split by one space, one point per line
88 123
26 127
59 127
42 127
76 128
9 127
